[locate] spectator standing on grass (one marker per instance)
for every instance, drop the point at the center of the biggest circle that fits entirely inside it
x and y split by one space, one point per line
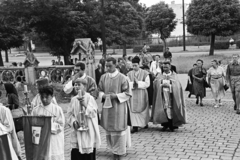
144 49
59 62
233 79
216 80
155 66
98 72
167 54
53 62
231 41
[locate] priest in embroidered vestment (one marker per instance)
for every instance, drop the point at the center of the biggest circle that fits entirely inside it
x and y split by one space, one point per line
47 108
79 72
139 82
83 143
114 89
168 101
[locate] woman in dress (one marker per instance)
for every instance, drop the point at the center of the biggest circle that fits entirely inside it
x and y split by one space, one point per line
190 81
199 81
216 81
48 108
12 94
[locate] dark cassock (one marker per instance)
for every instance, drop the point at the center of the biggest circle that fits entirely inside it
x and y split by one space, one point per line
168 101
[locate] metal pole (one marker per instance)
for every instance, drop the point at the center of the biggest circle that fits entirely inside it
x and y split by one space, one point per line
103 30
184 44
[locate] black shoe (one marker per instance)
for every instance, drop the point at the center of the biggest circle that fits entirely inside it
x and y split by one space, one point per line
171 129
164 129
235 107
134 130
146 127
201 104
189 96
197 101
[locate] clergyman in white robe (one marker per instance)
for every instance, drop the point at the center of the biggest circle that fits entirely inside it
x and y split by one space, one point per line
7 127
57 133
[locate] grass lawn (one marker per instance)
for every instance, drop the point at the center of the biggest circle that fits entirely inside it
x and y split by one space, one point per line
185 63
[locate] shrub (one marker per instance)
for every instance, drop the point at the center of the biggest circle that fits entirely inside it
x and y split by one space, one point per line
152 48
238 43
221 45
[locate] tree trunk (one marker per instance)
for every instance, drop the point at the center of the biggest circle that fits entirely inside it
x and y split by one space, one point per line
211 52
6 55
164 44
66 59
1 60
124 49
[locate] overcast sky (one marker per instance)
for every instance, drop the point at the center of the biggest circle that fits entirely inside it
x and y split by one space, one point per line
151 2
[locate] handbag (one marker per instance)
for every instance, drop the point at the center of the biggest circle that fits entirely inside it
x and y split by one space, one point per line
226 87
206 85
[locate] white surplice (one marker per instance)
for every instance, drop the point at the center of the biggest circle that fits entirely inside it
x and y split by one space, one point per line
56 151
117 142
37 101
140 119
7 127
85 141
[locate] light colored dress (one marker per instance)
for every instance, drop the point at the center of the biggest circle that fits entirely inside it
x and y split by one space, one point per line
57 133
217 82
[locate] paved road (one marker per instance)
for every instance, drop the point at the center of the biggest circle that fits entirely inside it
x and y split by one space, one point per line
210 134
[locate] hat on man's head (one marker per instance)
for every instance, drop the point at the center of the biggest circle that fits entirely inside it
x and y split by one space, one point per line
136 59
42 82
81 80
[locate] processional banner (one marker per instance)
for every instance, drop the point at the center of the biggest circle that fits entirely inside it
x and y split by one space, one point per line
37 132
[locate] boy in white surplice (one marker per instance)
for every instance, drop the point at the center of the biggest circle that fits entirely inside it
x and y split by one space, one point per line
48 108
82 114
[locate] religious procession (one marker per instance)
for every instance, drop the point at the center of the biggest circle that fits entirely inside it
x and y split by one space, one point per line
133 91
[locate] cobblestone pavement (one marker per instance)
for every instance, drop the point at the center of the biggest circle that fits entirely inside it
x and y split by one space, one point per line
211 134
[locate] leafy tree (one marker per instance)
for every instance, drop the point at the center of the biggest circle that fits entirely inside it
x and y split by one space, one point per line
123 23
161 20
58 24
11 32
213 18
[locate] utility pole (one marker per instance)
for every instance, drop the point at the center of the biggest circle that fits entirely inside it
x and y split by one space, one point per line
184 43
103 30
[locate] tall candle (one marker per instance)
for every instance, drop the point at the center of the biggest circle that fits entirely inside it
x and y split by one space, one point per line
25 88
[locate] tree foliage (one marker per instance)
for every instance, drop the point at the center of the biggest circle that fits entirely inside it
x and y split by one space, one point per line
123 23
161 20
11 30
58 24
213 18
